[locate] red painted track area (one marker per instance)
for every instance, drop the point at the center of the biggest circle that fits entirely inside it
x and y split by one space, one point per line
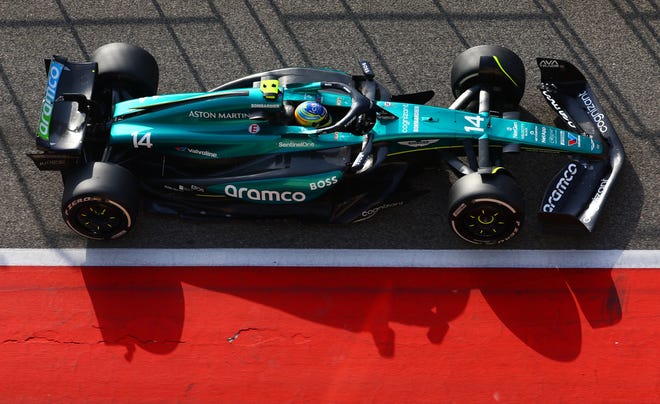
328 335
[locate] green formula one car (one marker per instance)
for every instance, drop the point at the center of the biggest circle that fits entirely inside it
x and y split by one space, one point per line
316 143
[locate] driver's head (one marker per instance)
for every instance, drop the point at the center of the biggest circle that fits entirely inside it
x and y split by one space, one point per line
311 113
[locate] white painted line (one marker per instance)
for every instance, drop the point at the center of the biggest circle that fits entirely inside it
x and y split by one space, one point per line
332 258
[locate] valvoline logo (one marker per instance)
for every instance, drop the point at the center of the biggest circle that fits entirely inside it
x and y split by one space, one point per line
572 140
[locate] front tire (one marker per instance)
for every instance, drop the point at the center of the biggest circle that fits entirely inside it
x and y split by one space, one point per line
494 68
100 201
486 209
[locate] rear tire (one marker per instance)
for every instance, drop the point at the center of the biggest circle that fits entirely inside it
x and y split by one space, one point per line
127 68
486 208
100 201
495 68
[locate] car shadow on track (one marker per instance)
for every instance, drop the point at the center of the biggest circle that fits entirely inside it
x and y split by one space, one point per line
146 307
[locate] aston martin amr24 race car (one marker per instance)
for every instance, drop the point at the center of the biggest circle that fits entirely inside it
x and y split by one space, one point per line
240 151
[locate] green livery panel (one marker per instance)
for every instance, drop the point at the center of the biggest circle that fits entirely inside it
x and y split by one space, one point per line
222 124
421 127
236 123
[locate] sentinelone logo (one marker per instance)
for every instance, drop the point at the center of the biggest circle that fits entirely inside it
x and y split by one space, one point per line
332 258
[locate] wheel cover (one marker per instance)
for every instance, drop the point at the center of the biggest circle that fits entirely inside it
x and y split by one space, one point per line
99 219
486 221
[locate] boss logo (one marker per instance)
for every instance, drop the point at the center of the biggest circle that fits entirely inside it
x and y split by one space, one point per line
330 181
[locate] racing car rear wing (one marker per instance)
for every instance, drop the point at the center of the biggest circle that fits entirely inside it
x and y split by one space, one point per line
63 119
577 193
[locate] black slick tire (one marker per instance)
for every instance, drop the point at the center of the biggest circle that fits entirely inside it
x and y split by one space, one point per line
126 67
494 68
486 209
100 201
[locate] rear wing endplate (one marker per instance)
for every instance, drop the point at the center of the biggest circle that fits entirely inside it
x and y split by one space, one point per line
62 123
577 193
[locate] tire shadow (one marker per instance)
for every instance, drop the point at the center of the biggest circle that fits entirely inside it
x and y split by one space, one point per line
137 307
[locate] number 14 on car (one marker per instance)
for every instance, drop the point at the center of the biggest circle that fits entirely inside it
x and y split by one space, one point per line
475 123
142 140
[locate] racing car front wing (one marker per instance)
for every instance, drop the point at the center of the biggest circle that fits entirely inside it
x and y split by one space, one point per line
575 197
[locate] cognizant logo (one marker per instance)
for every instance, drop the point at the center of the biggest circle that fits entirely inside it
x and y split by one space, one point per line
264 195
592 110
54 73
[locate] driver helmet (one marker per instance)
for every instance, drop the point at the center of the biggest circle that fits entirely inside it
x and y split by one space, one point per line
311 113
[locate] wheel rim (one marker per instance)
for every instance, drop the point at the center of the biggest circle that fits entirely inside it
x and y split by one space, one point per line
101 219
486 221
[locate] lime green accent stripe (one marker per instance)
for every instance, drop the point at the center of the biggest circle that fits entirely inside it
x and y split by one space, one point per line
448 147
424 149
504 71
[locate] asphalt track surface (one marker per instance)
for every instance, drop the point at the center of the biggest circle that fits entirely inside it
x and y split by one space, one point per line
411 45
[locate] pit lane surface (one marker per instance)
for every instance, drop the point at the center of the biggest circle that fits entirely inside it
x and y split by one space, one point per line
335 335
200 45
